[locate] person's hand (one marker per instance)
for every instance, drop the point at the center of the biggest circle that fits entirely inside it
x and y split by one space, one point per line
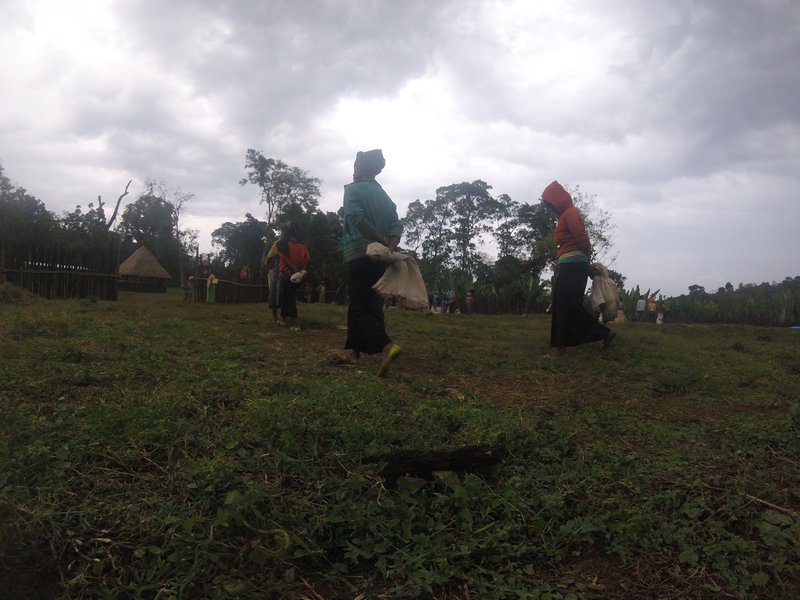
392 242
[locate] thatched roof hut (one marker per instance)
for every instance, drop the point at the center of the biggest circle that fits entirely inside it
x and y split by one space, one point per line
141 272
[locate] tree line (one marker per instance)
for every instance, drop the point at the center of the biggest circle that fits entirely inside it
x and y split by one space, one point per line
446 233
771 304
152 220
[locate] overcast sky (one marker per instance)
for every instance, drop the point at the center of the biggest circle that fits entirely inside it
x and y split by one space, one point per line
682 117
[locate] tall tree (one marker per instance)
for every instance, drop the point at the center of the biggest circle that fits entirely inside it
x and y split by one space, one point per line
281 185
506 234
150 221
324 231
24 218
473 208
426 231
535 229
321 232
82 223
184 238
241 243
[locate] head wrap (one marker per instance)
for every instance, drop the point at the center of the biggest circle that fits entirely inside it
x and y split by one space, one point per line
557 197
368 164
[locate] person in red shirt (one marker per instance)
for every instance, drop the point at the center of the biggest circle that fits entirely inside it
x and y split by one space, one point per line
294 258
572 324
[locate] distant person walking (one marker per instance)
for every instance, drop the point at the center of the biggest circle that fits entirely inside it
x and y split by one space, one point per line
341 293
369 216
294 258
640 306
572 324
651 309
451 300
272 263
470 302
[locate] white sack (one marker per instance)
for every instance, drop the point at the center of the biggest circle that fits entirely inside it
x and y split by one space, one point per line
605 293
402 277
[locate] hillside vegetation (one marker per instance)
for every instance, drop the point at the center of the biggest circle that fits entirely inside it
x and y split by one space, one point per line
155 449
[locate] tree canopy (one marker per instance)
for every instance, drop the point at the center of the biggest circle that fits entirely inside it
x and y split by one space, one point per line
24 217
242 243
448 233
282 186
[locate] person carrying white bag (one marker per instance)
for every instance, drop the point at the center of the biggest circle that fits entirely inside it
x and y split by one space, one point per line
369 216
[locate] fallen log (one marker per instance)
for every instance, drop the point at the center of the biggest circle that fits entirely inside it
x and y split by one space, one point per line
415 463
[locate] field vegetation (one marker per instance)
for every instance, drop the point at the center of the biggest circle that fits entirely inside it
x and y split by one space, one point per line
155 449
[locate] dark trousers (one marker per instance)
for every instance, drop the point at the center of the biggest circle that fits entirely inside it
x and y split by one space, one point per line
366 331
572 322
288 291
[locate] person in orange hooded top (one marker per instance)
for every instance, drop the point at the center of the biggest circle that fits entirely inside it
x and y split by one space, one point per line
572 323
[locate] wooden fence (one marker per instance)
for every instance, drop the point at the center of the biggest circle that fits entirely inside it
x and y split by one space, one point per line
227 292
55 271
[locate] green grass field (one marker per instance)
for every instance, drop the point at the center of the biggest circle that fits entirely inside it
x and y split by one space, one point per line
155 449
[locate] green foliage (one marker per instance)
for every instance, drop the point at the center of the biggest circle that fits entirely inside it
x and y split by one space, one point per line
444 234
472 210
149 221
154 448
764 304
426 231
290 195
241 244
511 286
282 186
23 217
321 232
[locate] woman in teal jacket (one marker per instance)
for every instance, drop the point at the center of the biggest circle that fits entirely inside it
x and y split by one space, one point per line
369 216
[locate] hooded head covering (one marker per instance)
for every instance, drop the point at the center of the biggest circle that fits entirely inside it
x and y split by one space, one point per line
368 164
557 197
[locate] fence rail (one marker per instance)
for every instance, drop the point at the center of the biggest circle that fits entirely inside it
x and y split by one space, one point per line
55 271
227 292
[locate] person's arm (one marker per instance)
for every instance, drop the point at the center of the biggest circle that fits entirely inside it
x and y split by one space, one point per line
395 228
368 230
306 257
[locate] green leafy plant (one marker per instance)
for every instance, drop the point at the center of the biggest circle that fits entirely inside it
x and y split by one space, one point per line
187 450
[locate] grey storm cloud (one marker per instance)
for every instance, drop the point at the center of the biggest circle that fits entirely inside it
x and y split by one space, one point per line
277 61
681 116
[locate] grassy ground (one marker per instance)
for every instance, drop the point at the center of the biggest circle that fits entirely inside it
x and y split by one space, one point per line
155 449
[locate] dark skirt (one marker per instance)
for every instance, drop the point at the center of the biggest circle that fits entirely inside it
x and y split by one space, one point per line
274 279
288 291
572 323
366 331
